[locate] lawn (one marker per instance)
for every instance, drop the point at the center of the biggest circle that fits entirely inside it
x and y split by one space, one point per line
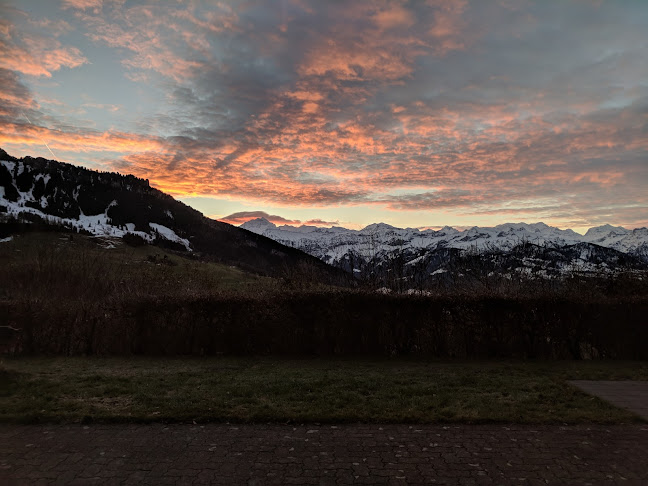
305 390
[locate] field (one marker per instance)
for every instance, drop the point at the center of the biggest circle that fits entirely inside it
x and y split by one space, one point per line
78 267
305 390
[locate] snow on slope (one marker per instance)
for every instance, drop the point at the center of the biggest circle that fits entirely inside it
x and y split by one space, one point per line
96 224
332 244
170 235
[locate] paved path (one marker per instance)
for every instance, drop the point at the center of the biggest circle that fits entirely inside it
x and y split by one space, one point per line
631 395
324 455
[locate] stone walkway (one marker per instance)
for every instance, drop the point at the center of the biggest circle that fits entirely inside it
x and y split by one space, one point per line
323 455
631 395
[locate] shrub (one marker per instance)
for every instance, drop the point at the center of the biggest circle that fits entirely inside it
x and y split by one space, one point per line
131 239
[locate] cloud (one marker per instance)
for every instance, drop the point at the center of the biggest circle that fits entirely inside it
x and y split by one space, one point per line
82 4
80 141
101 106
14 94
172 42
39 58
36 54
245 216
320 222
394 16
490 109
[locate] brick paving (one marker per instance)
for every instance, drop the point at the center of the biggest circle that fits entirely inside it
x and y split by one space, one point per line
161 454
631 395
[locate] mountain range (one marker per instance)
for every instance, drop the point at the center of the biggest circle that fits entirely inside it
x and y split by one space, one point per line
511 248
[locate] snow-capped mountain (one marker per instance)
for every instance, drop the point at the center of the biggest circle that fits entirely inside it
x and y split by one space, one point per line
531 248
107 204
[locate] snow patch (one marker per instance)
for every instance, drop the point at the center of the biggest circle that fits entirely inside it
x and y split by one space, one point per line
170 235
9 165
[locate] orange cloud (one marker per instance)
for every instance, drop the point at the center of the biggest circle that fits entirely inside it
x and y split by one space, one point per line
40 58
82 4
394 16
36 54
245 216
82 141
357 62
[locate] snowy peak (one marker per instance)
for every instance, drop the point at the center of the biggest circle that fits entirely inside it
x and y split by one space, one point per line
523 227
258 225
616 237
378 228
606 230
445 231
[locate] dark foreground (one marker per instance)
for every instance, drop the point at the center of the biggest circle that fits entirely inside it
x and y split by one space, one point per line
310 454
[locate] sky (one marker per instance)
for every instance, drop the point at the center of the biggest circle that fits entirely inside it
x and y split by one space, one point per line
416 114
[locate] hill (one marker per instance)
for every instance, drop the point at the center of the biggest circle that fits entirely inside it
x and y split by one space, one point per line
47 193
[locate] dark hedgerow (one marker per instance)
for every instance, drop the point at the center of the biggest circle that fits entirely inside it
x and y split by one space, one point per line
339 323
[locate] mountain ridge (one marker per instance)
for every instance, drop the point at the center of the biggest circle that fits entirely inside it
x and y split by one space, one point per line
109 204
605 235
531 249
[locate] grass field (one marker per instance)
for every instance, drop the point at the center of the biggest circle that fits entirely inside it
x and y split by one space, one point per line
55 266
306 390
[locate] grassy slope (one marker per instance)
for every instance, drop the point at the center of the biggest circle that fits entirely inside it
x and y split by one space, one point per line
50 265
224 389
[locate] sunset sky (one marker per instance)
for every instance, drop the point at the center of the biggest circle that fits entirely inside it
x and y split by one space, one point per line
418 114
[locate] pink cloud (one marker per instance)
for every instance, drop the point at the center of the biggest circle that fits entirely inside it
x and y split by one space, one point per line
394 16
37 54
39 58
245 216
82 4
321 222
79 141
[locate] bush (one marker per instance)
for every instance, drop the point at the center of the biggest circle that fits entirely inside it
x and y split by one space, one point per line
131 239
